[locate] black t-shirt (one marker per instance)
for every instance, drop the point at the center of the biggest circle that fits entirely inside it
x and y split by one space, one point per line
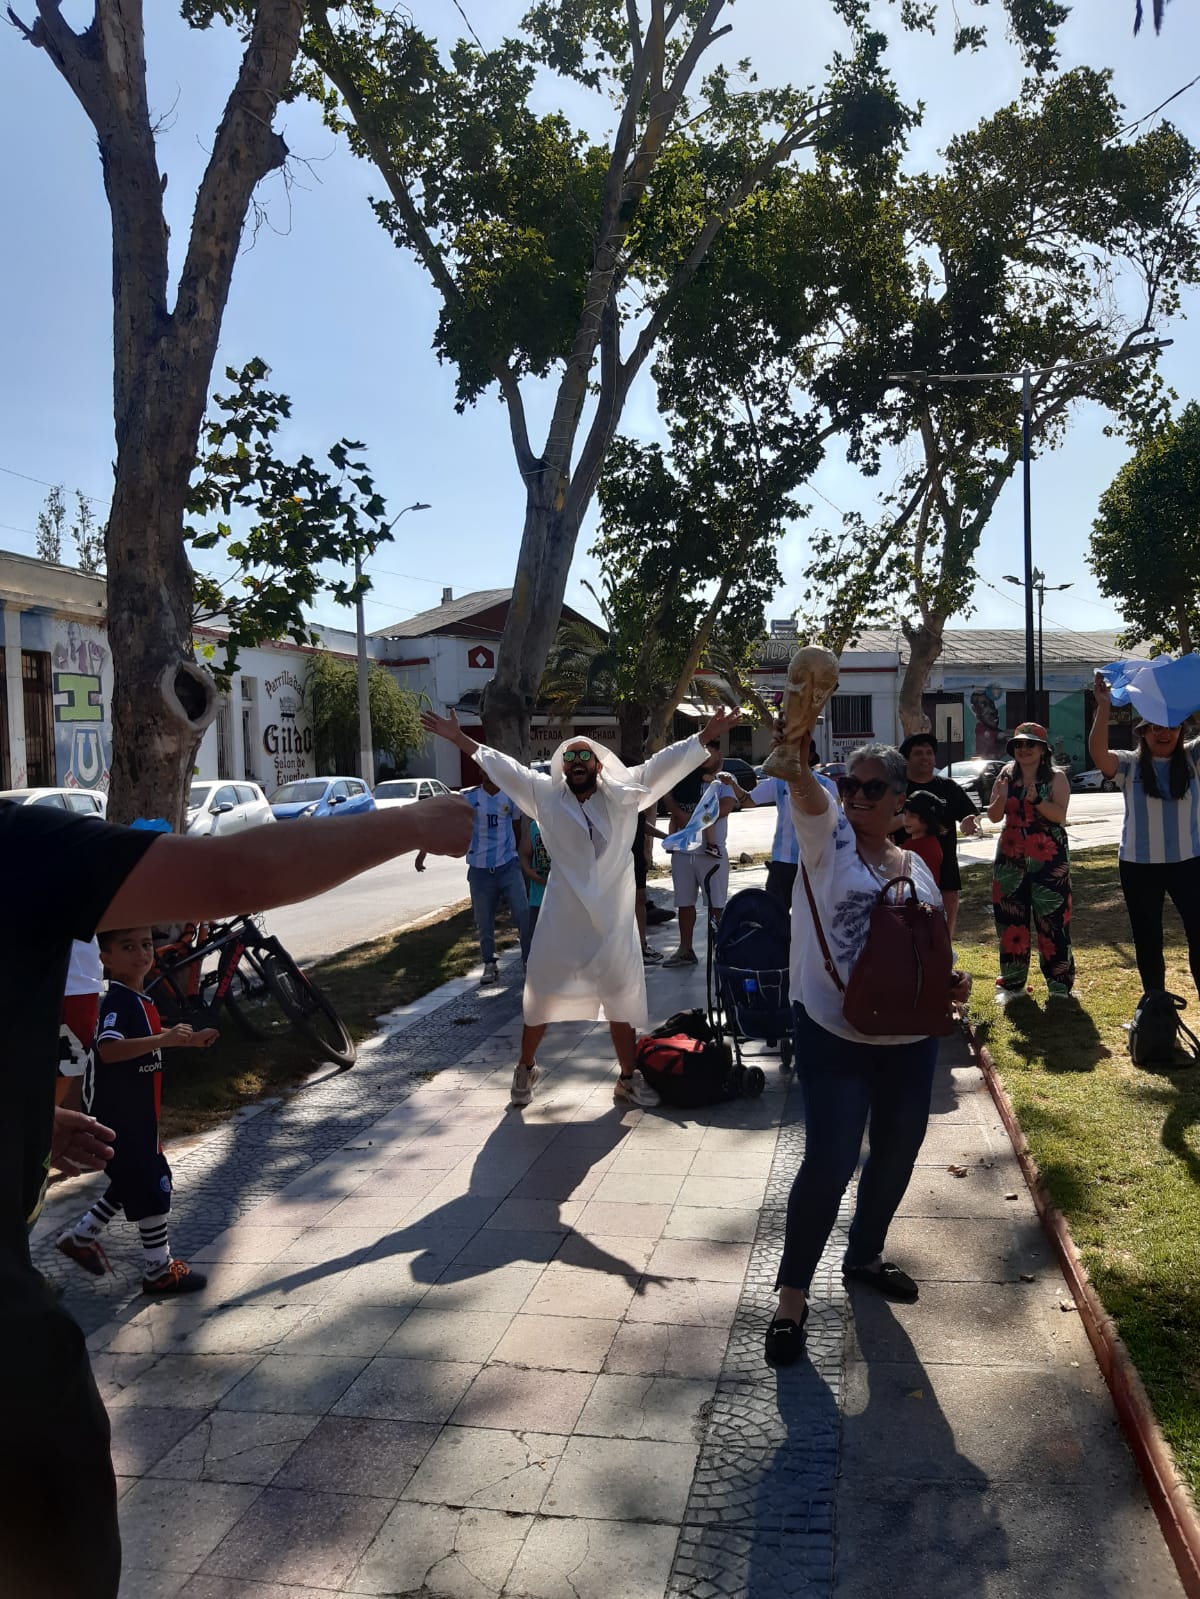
60 873
688 790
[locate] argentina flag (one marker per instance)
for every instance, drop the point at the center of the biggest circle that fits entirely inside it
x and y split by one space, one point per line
691 837
1162 691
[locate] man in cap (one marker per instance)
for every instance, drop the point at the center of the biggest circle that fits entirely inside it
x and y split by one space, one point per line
920 751
585 961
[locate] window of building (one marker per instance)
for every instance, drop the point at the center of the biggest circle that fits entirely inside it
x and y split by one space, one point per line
851 716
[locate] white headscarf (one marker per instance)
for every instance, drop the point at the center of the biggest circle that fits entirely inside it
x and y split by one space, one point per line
614 775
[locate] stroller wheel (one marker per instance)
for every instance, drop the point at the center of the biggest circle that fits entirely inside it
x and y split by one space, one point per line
785 1054
754 1082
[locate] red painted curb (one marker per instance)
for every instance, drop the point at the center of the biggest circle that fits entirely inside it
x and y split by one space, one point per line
1173 1505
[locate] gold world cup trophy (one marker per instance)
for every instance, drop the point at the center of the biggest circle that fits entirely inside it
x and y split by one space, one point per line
811 679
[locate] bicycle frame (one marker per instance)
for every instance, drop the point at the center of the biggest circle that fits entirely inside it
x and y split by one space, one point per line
229 938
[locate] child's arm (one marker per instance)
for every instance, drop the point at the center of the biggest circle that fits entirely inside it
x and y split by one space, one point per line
113 1050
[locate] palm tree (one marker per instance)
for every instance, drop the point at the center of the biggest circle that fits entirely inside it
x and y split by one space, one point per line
1160 7
581 669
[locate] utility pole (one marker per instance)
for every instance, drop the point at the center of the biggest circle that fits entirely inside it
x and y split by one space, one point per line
366 743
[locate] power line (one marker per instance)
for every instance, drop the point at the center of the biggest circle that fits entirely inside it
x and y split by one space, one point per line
1060 627
1129 127
9 471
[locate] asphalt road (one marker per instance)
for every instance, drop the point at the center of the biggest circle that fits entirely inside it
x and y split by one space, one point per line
394 896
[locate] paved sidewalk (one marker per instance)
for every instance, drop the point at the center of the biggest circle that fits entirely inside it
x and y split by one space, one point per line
466 1352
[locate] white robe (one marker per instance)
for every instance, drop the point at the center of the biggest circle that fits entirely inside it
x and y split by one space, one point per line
586 960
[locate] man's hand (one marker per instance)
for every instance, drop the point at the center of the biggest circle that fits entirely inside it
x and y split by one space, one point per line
446 727
446 824
177 1037
203 1038
1102 692
80 1142
960 987
719 725
969 825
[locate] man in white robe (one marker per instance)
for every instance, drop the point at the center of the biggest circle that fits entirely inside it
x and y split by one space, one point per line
585 962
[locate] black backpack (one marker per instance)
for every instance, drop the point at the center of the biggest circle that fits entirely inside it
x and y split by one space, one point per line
1157 1031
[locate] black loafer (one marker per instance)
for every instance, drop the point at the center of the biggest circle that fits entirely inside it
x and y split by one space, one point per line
889 1281
785 1340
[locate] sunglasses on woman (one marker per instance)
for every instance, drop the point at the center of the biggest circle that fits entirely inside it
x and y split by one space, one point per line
571 756
873 789
1025 744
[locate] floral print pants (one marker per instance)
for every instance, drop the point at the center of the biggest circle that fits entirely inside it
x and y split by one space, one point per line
1031 897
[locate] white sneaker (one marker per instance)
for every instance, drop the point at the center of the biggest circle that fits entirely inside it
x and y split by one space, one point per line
635 1090
522 1085
491 974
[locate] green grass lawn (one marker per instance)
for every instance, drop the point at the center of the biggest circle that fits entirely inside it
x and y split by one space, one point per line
203 1087
1118 1146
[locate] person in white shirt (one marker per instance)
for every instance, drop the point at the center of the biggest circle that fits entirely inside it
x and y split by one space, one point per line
585 962
850 1080
692 871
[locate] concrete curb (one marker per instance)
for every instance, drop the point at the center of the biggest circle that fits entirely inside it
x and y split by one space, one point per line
1169 1495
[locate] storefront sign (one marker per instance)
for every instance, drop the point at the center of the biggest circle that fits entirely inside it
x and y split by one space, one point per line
287 737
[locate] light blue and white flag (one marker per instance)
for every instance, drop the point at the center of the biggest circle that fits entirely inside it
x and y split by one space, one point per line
707 812
1162 690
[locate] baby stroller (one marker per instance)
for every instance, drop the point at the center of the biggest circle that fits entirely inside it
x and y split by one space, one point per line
748 960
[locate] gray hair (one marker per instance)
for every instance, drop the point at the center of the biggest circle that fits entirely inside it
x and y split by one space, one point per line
895 767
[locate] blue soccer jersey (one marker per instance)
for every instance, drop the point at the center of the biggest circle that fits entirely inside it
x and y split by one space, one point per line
492 841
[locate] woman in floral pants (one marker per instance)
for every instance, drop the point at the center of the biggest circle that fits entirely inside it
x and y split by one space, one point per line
1031 878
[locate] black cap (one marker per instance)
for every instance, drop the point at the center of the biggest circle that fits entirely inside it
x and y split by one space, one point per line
913 739
929 807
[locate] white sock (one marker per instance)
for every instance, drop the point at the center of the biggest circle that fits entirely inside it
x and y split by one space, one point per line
156 1251
89 1227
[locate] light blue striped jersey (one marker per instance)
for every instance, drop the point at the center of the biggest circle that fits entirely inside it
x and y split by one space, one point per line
784 846
492 841
1159 830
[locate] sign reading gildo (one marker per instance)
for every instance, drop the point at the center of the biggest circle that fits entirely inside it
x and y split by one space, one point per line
287 737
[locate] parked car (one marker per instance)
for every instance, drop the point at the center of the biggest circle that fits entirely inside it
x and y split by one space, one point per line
741 770
833 770
84 801
1093 781
219 808
977 776
321 796
406 791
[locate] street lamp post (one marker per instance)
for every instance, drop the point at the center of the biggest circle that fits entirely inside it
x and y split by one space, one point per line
1040 584
1027 375
366 743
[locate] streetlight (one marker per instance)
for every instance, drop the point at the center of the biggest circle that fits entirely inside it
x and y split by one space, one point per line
366 744
1027 375
1040 584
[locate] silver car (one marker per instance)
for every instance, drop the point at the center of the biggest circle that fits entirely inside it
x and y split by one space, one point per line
82 801
221 807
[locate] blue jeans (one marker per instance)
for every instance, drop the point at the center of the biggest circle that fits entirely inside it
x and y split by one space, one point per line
489 885
847 1087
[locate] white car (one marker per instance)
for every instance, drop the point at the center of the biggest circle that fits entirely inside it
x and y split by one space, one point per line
83 801
407 791
221 807
1093 781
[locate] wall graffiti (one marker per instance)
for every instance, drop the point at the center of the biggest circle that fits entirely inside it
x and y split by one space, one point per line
82 701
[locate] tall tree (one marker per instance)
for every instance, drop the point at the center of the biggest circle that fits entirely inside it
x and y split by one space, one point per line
1146 540
55 525
559 256
333 694
163 352
51 525
1048 240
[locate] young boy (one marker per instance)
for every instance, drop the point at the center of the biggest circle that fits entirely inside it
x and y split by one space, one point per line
128 1097
923 819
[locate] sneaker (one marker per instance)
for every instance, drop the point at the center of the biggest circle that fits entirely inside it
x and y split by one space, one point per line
1005 995
177 1278
657 914
522 1085
681 957
491 974
635 1090
85 1252
651 957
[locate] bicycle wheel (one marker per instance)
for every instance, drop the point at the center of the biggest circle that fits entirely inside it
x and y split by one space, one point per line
312 1016
253 1002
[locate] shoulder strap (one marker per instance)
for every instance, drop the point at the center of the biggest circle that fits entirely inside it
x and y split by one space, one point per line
820 931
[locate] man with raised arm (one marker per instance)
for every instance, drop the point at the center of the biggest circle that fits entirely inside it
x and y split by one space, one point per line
68 877
585 961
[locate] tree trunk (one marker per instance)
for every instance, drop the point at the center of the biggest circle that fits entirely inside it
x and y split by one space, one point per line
162 365
925 645
1185 630
547 545
631 733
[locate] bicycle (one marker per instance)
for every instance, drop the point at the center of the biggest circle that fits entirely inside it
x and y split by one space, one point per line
255 980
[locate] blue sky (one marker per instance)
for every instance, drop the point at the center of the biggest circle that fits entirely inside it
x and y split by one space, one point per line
345 319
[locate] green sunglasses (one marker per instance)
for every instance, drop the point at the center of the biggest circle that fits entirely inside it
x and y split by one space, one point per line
571 756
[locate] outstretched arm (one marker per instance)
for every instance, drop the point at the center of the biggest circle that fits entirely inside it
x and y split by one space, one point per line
190 878
662 771
517 781
1098 737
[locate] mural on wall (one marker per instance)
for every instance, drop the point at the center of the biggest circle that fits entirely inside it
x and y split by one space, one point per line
82 700
287 738
989 730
